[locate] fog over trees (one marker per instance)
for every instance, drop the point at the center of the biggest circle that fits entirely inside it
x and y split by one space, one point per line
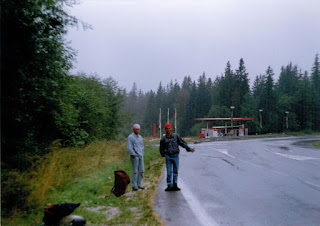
42 102
296 92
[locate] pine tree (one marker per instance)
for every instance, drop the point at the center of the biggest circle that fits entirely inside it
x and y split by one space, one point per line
34 65
226 86
241 87
267 102
258 86
315 79
151 114
303 104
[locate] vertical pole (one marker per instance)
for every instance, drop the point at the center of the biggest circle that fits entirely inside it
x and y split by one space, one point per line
225 128
244 130
232 117
175 120
287 112
154 130
160 135
168 116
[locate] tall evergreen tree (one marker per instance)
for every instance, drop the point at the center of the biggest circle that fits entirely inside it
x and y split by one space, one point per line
151 114
287 87
181 105
227 84
162 102
303 104
203 96
267 103
241 86
191 112
288 81
258 86
315 75
315 79
34 65
187 83
132 99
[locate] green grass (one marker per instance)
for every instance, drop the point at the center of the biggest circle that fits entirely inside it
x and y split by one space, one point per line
317 144
302 133
86 176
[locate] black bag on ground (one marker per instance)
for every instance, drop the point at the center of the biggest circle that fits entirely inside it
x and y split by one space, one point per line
54 213
121 181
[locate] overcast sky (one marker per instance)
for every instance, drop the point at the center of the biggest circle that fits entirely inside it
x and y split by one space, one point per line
148 41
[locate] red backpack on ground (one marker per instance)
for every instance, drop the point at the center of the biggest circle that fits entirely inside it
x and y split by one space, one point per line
121 181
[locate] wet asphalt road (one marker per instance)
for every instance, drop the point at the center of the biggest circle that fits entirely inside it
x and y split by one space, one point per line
273 181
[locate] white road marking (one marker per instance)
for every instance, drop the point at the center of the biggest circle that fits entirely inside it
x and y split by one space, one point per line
195 206
224 151
307 182
295 157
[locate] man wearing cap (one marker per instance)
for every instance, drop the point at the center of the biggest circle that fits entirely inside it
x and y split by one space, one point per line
169 148
135 148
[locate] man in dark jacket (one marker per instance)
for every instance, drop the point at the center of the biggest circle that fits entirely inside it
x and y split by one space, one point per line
169 148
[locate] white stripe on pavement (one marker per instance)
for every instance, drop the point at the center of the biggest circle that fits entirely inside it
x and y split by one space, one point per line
195 206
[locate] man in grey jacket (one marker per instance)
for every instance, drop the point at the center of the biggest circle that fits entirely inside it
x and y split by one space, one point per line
169 148
135 148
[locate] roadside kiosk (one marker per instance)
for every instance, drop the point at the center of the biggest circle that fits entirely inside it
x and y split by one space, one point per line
222 131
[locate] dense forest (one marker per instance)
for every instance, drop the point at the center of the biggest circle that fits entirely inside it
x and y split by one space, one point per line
295 92
41 102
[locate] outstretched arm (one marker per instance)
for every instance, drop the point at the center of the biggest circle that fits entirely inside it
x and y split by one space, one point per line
183 144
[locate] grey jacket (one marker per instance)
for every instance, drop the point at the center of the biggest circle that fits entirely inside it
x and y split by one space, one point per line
135 146
170 146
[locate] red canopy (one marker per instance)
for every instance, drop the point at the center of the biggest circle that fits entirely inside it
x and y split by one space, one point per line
222 119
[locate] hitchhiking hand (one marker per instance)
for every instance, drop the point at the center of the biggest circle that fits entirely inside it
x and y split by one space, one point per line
192 150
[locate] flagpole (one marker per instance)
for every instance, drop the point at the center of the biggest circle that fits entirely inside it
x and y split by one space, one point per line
160 122
175 120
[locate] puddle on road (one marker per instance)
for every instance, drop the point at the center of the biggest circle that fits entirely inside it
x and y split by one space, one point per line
284 148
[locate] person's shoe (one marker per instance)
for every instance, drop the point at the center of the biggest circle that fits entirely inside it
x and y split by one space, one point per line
176 188
169 188
135 189
140 187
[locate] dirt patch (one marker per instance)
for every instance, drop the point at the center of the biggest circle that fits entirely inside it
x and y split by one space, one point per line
109 211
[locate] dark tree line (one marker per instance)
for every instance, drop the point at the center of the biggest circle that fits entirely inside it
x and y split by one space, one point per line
41 102
295 92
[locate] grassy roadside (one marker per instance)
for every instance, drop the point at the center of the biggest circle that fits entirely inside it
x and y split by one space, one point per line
317 144
302 133
86 176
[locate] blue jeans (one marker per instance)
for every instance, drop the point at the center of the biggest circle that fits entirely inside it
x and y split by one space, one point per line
137 171
172 164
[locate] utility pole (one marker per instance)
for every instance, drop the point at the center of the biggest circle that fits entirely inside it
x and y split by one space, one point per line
260 110
232 107
168 116
175 120
160 122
